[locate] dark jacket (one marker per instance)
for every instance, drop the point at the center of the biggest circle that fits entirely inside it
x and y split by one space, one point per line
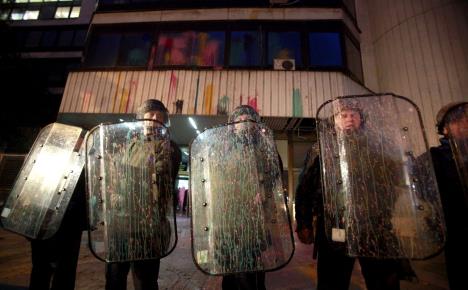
455 209
308 198
451 192
309 203
369 188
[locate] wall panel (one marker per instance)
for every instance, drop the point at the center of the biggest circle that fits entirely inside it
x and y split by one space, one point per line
273 93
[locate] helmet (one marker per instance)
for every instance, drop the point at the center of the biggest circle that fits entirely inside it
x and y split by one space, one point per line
441 117
349 104
244 110
153 105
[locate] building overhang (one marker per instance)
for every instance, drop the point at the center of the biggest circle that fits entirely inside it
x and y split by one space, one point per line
283 98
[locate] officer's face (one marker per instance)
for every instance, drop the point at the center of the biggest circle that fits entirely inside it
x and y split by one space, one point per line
150 126
241 126
348 120
154 115
458 128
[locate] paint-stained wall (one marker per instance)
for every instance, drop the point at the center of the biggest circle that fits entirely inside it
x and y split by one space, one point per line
205 92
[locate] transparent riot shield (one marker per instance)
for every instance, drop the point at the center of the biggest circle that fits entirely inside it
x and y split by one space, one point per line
240 221
379 189
45 183
457 119
130 191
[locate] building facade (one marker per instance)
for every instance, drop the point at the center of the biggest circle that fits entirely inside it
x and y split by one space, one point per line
42 40
206 57
417 49
283 57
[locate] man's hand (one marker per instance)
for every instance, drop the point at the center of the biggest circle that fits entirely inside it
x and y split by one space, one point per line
162 156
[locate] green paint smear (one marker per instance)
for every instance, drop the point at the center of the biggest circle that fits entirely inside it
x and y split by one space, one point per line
223 105
297 103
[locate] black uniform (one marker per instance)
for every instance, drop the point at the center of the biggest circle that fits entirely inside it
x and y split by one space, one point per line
334 267
455 212
56 258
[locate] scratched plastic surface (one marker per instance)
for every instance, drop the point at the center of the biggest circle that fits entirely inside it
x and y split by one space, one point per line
45 183
379 188
130 194
239 217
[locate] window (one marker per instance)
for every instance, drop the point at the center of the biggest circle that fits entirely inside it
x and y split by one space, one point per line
315 45
175 48
20 38
33 38
41 9
75 12
209 49
190 48
103 50
62 12
245 49
284 45
80 38
31 14
56 38
48 38
134 49
17 14
65 38
325 49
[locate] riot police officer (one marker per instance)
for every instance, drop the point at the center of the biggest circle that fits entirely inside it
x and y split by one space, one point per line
146 272
366 191
450 160
253 280
55 259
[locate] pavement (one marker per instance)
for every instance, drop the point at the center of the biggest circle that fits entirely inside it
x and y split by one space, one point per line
178 270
